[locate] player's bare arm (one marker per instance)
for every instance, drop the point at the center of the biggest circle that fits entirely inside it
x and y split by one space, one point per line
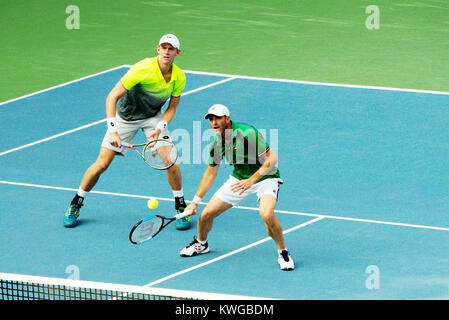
206 183
111 101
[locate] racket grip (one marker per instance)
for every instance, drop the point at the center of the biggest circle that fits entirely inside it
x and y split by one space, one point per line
184 214
125 144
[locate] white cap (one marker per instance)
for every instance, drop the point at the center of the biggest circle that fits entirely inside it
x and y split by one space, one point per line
170 38
218 110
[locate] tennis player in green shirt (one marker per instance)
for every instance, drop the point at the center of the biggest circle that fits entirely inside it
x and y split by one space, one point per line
135 103
255 172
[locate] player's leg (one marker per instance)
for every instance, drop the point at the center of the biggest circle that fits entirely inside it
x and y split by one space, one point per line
222 200
213 209
174 178
267 192
94 172
126 130
267 203
90 178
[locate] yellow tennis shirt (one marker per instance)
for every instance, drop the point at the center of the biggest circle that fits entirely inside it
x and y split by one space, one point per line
147 89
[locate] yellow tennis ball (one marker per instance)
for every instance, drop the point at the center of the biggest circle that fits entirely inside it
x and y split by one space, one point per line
152 203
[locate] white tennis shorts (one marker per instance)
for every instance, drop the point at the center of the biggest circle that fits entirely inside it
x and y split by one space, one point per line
127 130
267 186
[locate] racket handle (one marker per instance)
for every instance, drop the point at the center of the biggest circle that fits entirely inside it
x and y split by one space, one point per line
125 144
184 214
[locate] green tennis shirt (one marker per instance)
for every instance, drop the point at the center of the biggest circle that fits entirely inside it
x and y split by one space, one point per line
147 89
243 149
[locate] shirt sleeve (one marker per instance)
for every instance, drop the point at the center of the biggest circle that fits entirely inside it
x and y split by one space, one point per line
262 144
135 75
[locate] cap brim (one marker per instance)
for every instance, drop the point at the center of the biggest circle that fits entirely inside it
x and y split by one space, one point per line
173 45
207 116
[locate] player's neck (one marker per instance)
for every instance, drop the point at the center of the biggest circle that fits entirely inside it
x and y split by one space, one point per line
165 68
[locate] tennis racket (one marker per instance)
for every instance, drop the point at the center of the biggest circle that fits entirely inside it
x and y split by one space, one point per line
149 227
159 154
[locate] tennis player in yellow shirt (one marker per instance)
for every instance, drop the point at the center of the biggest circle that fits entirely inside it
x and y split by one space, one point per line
135 103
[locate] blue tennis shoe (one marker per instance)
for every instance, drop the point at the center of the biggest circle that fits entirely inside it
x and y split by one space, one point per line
71 216
183 223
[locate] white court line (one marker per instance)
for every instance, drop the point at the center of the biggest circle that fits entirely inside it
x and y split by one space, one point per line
356 219
76 189
230 253
103 120
330 84
318 217
213 84
52 137
316 83
63 84
240 207
229 78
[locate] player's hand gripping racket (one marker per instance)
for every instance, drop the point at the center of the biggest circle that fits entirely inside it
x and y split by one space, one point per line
149 227
159 154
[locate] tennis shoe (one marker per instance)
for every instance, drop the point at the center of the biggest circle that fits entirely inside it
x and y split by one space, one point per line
285 261
194 248
71 216
183 223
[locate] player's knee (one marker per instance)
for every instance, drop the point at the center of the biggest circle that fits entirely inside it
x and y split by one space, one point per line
174 169
206 216
101 165
268 217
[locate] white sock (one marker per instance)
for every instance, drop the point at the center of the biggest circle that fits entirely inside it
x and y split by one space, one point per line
82 193
202 242
178 193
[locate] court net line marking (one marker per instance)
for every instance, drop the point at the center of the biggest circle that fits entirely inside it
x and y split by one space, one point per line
103 120
230 253
399 224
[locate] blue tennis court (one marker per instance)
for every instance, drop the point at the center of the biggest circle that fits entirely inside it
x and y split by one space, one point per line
364 204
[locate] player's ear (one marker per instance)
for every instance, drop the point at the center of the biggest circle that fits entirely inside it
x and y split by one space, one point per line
178 52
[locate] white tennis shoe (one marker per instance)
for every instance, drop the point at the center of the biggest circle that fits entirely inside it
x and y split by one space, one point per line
285 260
194 248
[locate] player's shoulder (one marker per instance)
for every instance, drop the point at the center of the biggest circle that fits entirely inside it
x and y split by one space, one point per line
146 61
146 64
243 128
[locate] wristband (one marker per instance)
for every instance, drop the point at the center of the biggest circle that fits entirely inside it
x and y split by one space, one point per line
196 199
161 125
112 124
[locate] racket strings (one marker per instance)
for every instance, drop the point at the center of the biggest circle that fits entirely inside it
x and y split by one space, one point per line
161 155
147 229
